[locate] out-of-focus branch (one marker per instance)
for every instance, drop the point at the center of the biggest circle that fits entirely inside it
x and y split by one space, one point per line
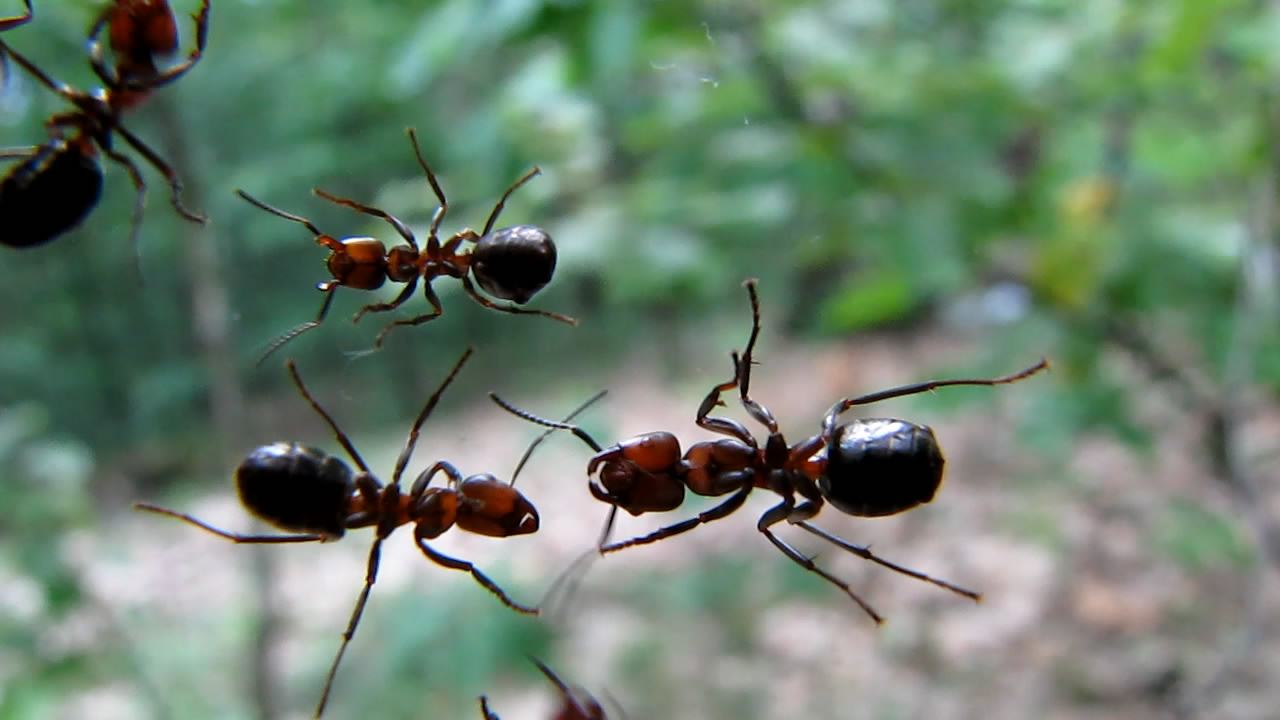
210 308
1257 274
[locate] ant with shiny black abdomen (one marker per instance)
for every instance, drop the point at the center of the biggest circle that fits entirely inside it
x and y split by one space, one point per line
871 467
511 263
57 184
575 703
306 491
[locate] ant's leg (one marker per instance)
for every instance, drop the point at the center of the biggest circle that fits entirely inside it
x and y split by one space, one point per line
557 600
175 184
233 537
5 24
781 512
502 202
471 290
202 36
743 367
607 528
451 246
565 585
328 288
433 239
15 153
96 60
865 553
153 80
742 381
432 401
66 91
392 220
16 20
399 300
370 577
419 487
139 205
437 311
456 564
573 705
725 508
724 426
829 423
484 708
340 436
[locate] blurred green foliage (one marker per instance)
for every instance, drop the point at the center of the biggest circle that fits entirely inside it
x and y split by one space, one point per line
868 164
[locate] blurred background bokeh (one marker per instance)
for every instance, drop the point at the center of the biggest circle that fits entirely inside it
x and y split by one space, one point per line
924 189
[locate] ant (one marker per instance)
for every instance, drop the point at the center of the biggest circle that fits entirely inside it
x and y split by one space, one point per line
512 263
870 467
305 491
575 703
58 183
138 31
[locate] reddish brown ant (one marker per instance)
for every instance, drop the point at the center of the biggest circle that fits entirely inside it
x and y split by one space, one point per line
138 32
304 490
511 263
575 703
870 467
58 183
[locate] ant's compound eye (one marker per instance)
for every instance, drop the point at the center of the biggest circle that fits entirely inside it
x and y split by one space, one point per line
514 263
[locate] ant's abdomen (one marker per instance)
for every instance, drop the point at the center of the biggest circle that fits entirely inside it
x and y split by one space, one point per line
514 263
881 466
296 488
48 194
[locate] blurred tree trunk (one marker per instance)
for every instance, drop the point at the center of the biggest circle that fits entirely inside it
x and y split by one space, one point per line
210 311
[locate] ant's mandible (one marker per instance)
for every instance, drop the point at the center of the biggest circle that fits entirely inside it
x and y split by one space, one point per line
575 703
303 490
870 467
57 184
511 263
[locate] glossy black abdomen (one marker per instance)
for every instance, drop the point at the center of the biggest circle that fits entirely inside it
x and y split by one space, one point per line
48 194
881 467
296 488
515 262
